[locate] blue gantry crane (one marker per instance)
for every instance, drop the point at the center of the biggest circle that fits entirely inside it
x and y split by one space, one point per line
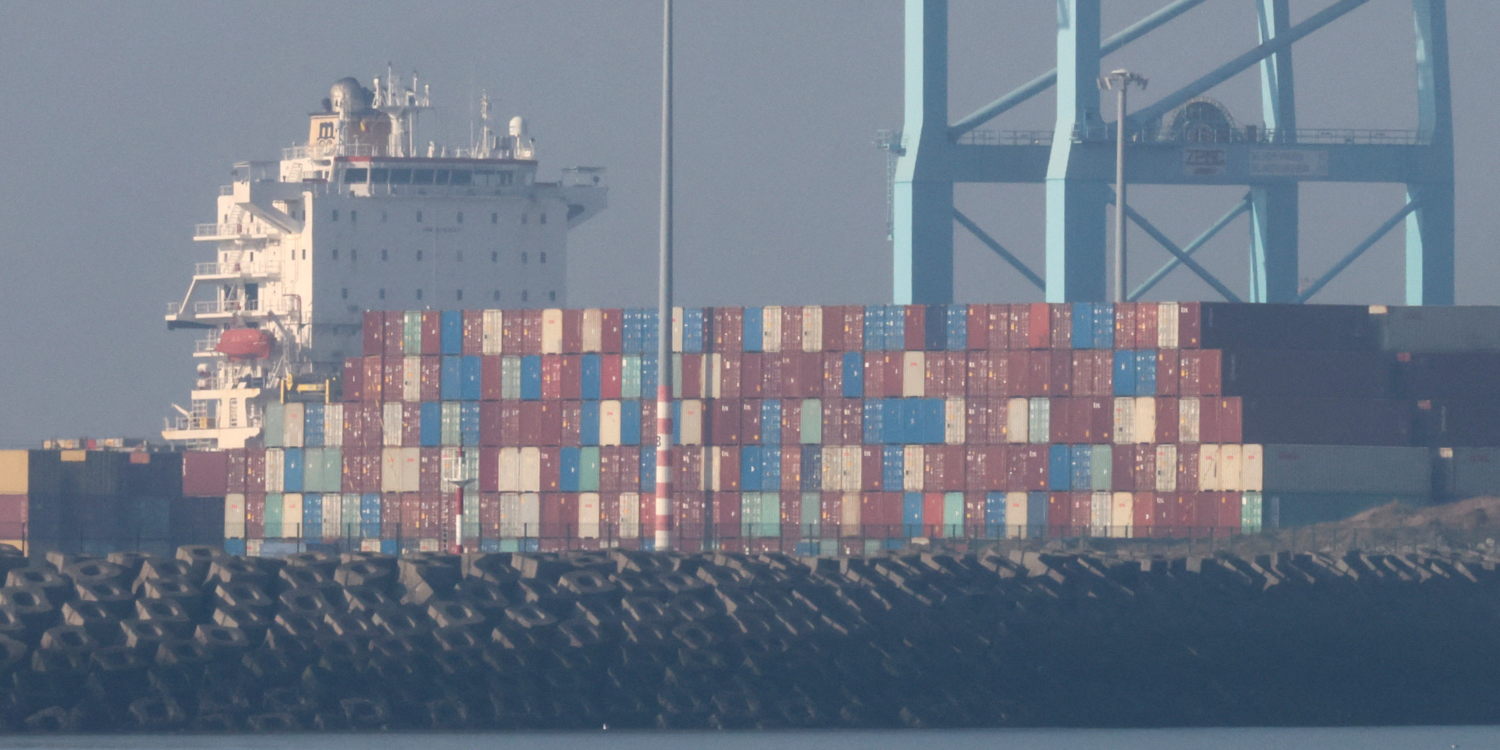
1180 139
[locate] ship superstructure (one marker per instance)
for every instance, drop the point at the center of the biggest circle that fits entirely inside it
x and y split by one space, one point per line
363 217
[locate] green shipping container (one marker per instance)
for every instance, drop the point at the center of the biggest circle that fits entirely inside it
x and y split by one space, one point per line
510 378
588 469
273 425
452 423
812 422
273 516
1100 468
411 333
630 376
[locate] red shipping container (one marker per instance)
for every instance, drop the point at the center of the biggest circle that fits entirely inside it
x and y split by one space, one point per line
1060 421
1168 370
750 426
572 331
432 379
977 327
350 477
373 382
551 460
812 374
489 469
1189 325
572 424
874 382
1168 507
1205 511
1062 326
1209 415
1145 465
430 469
1083 373
854 328
915 338
1228 522
411 425
489 515
531 331
833 328
255 515
1211 367
1145 325
432 332
791 328
976 421
692 376
831 514
1027 468
1144 513
609 468
1060 372
729 330
724 424
392 510
794 383
255 469
833 421
687 468
1125 325
551 377
611 330
1167 420
871 460
572 377
752 375
354 378
1083 513
936 375
373 340
791 468
531 423
235 474
648 422
872 514
726 515
473 332
373 430
395 334
944 470
853 421
630 468
551 418
831 381
728 468
205 473
489 377
1231 420
1038 373
1187 468
932 515
771 380
974 525
392 374
1038 326
976 374
1059 515
512 332
609 376
1000 327
731 371
1122 476
791 424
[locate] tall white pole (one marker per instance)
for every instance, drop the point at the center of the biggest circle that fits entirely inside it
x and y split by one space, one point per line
664 302
1119 279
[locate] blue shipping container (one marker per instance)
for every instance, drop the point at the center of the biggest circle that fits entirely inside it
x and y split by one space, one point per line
648 377
854 375
770 421
312 515
1124 373
922 421
568 465
770 472
589 423
313 432
911 514
873 422
590 371
874 328
1145 373
935 332
630 422
630 334
1104 325
750 466
752 329
893 420
692 330
468 420
994 512
369 516
812 468
453 332
1036 515
471 373
648 469
432 424
1083 477
1059 468
452 378
1083 325
892 465
292 465
531 377
958 328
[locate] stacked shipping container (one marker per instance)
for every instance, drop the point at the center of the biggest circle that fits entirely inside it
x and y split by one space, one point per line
867 423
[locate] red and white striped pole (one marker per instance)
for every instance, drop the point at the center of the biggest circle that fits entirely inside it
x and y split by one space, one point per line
664 302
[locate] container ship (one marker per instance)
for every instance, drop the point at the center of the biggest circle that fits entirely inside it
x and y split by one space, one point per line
363 217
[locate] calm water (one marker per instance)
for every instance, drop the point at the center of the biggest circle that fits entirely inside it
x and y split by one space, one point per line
1404 738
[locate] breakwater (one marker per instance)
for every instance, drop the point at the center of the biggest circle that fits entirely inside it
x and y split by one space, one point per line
209 642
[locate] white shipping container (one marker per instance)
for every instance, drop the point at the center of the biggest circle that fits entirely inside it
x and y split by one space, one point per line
351 517
849 514
713 373
493 332
1015 514
275 469
609 422
1166 326
234 516
333 516
630 515
1100 506
955 418
1231 468
1017 422
1166 468
593 330
552 331
333 425
531 470
1252 467
510 378
677 329
1187 419
1124 420
1145 419
390 469
390 424
291 515
508 470
770 329
312 470
833 469
588 515
411 469
914 374
853 468
812 329
296 415
411 379
914 469
1209 477
1122 515
691 430
1039 420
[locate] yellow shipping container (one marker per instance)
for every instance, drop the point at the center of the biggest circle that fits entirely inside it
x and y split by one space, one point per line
14 473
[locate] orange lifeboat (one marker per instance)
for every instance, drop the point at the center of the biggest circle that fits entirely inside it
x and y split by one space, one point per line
245 343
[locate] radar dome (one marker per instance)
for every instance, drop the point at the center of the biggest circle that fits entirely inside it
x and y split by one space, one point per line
349 97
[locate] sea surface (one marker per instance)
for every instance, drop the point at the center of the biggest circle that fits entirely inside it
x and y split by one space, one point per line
1378 738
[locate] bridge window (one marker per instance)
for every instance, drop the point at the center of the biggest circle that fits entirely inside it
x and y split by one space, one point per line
460 295
419 256
494 219
419 294
335 214
419 217
385 255
460 217
544 218
495 256
497 295
344 292
356 176
335 253
543 257
524 295
462 177
382 294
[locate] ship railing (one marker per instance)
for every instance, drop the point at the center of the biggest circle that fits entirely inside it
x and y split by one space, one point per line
233 230
328 150
226 190
194 423
236 268
206 345
1246 135
229 306
1006 138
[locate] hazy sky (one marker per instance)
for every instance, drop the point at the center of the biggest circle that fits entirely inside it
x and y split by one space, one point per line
126 116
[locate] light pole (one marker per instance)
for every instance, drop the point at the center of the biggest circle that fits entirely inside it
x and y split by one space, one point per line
456 474
664 302
1119 81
